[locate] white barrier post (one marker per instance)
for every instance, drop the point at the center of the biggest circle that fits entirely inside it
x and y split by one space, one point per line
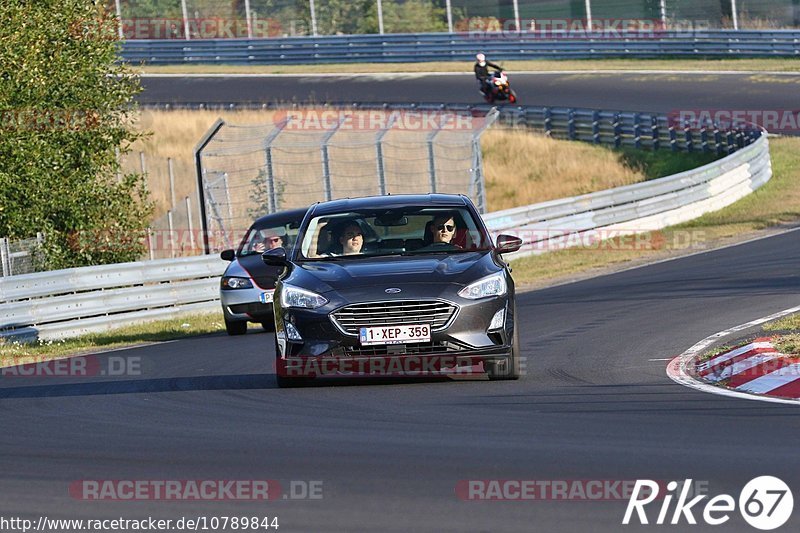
185 20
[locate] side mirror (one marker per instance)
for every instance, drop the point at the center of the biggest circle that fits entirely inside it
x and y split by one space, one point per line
507 244
275 257
228 255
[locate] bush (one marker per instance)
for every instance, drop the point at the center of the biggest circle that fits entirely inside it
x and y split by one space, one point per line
65 107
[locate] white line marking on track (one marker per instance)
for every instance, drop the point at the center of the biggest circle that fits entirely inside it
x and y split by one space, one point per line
677 370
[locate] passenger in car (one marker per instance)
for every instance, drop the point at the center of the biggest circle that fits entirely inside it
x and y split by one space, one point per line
440 230
269 241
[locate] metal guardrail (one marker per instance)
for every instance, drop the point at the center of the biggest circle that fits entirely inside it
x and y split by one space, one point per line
81 300
66 303
406 48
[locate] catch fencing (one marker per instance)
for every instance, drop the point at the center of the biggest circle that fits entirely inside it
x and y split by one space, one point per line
317 154
410 48
197 19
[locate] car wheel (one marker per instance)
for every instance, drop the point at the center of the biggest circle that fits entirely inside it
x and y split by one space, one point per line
235 327
508 368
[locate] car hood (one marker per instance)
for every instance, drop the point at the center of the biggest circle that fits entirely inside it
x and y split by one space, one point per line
393 271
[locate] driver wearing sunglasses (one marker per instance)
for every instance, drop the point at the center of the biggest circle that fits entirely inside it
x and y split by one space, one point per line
444 229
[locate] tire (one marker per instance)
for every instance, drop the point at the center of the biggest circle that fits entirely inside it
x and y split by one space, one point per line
508 368
235 327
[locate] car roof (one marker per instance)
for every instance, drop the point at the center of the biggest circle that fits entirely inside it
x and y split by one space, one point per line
389 202
280 218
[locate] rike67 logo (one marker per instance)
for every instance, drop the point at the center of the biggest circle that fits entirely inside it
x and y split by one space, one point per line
765 503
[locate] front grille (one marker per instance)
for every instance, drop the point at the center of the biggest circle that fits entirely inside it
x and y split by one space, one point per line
393 313
251 309
422 348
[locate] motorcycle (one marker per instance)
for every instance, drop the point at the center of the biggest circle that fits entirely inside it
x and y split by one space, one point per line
498 89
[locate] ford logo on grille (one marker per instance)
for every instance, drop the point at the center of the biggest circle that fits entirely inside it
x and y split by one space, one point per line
393 290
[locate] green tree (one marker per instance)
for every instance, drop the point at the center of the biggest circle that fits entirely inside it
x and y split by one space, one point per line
65 107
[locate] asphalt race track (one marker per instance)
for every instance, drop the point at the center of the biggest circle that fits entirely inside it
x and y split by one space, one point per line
663 92
595 404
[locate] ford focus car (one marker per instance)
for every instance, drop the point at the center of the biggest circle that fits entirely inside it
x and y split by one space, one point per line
394 285
247 285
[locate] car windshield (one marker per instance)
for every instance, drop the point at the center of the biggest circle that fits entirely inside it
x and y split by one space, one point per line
406 231
262 238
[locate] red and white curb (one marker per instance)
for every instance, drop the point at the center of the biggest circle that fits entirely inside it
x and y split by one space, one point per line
754 372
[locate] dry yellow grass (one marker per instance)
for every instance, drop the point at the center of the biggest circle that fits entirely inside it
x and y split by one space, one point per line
521 167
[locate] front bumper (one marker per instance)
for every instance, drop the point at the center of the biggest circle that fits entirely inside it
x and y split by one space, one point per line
245 305
465 338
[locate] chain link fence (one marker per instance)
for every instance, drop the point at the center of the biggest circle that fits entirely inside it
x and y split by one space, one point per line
309 155
220 19
20 256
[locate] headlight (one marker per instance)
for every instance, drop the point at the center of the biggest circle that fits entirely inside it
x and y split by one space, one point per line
494 285
236 283
296 297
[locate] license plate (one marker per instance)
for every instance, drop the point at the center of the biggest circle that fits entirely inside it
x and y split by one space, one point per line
395 334
266 297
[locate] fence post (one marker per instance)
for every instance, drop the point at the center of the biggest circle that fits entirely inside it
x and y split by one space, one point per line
664 14
718 147
704 137
380 17
379 155
4 257
248 18
637 131
449 8
190 224
596 127
687 137
617 131
272 193
313 10
673 138
171 229
654 131
326 168
150 243
185 13
516 16
198 160
171 173
142 163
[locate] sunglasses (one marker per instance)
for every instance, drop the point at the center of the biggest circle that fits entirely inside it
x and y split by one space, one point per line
445 227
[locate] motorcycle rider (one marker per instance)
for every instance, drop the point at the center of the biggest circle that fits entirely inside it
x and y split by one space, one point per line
482 72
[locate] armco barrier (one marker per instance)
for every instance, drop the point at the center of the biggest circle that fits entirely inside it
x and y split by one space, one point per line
71 302
65 303
404 48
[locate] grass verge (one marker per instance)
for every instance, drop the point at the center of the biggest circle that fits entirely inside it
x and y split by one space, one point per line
14 353
767 64
775 204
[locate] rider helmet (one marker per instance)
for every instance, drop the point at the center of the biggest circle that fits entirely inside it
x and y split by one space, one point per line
481 59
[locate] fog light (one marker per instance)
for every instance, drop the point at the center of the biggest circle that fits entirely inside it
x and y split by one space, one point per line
291 333
497 320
